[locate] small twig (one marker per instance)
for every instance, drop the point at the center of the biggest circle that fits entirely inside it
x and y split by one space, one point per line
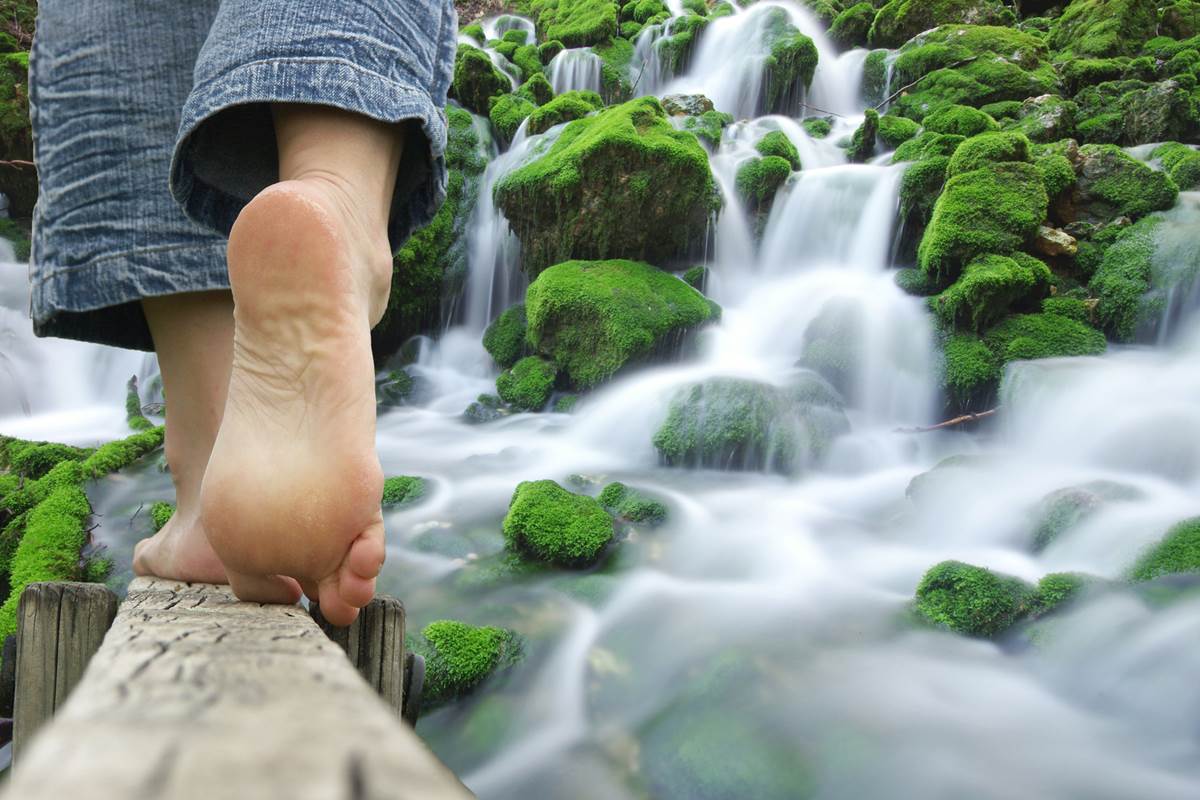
904 89
17 164
822 111
633 89
950 423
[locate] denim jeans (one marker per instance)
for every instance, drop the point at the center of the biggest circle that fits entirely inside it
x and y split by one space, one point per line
152 129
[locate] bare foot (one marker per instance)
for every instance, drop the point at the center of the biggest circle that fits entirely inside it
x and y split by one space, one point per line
180 551
293 486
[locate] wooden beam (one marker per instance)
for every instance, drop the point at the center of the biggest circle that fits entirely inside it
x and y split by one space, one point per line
59 629
196 696
374 643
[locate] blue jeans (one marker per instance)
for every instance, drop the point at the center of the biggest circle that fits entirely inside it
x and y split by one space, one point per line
152 129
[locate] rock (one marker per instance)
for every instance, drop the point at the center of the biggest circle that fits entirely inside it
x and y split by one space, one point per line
1122 279
987 149
575 23
1063 509
1179 551
1111 183
709 127
623 183
851 27
402 490
477 80
875 78
758 179
1103 28
990 287
776 143
900 20
504 339
394 388
972 600
564 108
788 69
460 657
684 105
1054 242
1180 20
960 121
894 131
1047 118
630 505
738 424
862 143
1181 162
592 318
547 523
486 408
528 385
507 112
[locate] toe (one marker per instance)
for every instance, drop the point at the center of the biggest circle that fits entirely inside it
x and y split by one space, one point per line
335 609
366 554
264 588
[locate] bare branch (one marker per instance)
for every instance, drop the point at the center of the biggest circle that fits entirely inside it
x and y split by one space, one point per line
950 423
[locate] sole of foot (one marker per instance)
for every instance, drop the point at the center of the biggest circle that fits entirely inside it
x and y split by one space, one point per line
290 498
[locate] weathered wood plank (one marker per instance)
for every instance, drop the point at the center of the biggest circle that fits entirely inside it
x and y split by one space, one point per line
374 643
59 628
196 695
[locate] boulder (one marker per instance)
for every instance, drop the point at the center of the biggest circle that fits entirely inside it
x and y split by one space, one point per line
686 105
900 20
477 80
1104 28
547 523
1054 242
1111 183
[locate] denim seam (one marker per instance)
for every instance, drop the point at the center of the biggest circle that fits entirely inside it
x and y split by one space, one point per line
48 272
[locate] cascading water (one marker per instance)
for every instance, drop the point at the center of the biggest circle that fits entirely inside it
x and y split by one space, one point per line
769 617
576 68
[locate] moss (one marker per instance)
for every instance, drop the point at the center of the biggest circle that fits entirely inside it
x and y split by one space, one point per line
817 127
1179 551
575 23
776 143
675 51
1102 28
476 79
459 657
1058 589
528 385
927 145
504 339
16 136
987 149
17 236
1069 307
1066 508
696 277
709 127
566 404
989 287
1132 112
732 423
991 210
953 46
875 77
160 514
517 36
133 408
537 90
631 505
49 550
1181 162
615 58
788 69
851 27
117 455
1030 336
474 31
972 600
1122 184
394 388
529 62
548 50
97 570
900 20
894 131
551 525
862 142
1003 110
486 408
960 120
593 318
564 108
913 282
985 79
562 204
760 178
402 490
1057 174
507 113
970 372
1122 279
32 460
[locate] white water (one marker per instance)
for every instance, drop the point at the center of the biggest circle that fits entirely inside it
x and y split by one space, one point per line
575 68
803 581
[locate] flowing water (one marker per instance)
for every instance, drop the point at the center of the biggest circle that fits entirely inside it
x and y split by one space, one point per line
769 615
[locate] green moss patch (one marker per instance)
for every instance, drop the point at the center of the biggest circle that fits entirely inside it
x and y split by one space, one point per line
1179 551
566 107
594 317
459 657
575 23
1101 28
972 600
1122 279
776 143
476 79
402 490
547 523
900 20
989 287
760 178
160 514
960 120
528 385
630 505
504 339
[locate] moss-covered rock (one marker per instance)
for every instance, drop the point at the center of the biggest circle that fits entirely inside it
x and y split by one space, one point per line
1103 28
1031 336
562 205
547 523
709 127
960 121
851 27
566 107
402 490
994 209
970 373
528 385
1181 162
894 131
900 20
1132 112
817 127
507 112
758 179
594 317
460 657
788 69
927 145
1066 508
1122 279
973 600
485 408
1111 183
738 424
1179 551
875 77
537 89
504 339
1058 174
776 143
1059 589
862 142
160 514
990 287
477 80
630 505
575 23
1046 118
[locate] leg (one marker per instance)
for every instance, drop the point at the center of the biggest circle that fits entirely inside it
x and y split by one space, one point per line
294 484
193 335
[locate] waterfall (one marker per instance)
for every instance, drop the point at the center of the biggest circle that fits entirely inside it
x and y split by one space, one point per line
575 68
